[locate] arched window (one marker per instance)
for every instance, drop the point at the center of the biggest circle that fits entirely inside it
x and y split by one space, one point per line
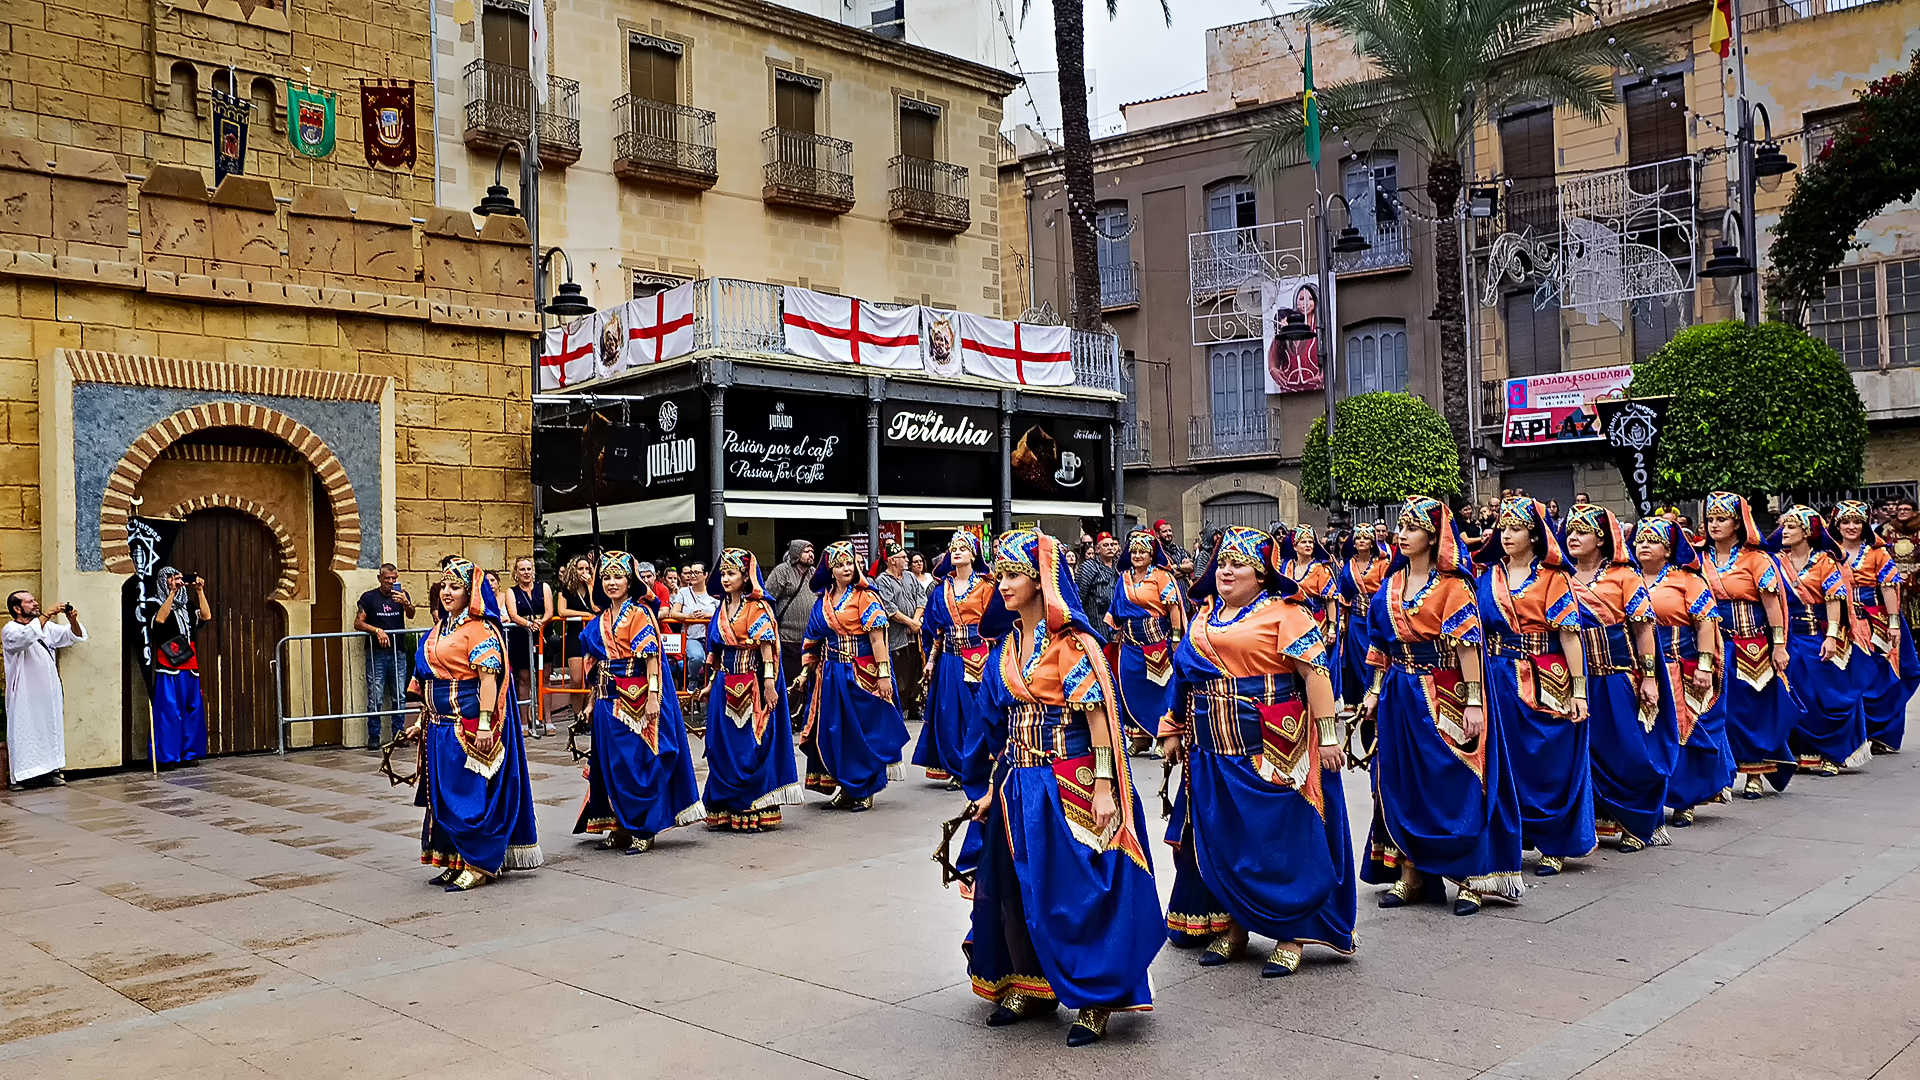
1238 508
1230 205
183 102
1376 356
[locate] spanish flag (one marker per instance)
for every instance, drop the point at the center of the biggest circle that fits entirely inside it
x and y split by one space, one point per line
1720 27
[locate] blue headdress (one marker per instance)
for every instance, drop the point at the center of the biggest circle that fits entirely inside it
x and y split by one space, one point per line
1680 550
963 540
1034 554
744 561
1815 526
1245 545
838 552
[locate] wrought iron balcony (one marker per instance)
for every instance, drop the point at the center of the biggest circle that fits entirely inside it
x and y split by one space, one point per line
1535 206
1096 360
1251 433
500 100
928 194
1783 13
662 143
1390 250
1136 443
813 172
1120 285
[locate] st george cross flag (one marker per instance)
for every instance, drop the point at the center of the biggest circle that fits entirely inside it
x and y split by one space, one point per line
848 331
659 327
567 352
1015 352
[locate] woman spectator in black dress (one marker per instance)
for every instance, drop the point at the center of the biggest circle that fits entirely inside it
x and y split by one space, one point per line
531 607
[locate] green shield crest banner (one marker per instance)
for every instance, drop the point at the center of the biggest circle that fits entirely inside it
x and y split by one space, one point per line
310 120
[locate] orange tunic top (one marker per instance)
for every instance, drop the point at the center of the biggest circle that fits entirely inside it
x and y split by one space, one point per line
968 608
1444 612
1155 592
1617 595
1367 579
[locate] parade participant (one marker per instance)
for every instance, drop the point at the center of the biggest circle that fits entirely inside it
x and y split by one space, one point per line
639 774
473 765
1830 681
1759 712
1307 563
1633 752
1064 907
1902 535
749 737
1537 681
1363 565
1686 636
854 732
179 709
955 651
1444 799
1148 618
1260 837
1884 642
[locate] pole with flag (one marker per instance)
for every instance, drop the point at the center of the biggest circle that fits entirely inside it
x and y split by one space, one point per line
1720 27
1310 106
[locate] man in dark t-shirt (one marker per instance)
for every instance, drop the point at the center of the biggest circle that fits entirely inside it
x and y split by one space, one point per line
382 613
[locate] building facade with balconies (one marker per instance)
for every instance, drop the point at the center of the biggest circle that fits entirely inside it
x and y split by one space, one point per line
1188 241
683 139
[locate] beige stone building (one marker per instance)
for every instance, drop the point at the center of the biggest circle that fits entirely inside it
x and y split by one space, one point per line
280 384
689 139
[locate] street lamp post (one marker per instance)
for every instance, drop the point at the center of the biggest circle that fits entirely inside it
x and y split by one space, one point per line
1295 328
1760 159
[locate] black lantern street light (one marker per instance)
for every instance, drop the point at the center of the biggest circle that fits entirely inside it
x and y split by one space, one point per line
1351 241
1729 259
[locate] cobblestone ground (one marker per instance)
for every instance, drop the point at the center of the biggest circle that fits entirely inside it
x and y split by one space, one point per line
262 916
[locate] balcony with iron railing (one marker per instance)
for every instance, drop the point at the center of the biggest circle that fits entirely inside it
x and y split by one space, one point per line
1779 14
928 194
1389 250
1251 433
659 142
1136 443
500 101
1119 285
809 171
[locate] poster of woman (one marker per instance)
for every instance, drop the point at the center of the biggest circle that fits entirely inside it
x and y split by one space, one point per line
1292 366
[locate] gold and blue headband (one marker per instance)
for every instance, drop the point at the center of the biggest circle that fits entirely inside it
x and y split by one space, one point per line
1243 545
1017 551
732 559
1140 540
617 562
841 553
1852 510
1586 517
1518 510
1421 512
1724 504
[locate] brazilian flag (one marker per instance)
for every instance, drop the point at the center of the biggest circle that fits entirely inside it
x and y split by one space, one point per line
1310 105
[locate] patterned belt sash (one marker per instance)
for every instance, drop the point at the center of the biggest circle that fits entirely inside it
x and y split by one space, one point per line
1423 656
1043 734
1522 646
1607 650
961 638
1144 629
845 649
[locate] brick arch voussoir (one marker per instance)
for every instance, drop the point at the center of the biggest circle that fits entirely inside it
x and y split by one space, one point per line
289 555
116 506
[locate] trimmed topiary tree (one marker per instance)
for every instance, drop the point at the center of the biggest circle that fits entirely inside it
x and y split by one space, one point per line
1755 410
1385 448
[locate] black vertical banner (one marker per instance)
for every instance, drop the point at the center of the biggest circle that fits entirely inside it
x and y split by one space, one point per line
229 135
1633 429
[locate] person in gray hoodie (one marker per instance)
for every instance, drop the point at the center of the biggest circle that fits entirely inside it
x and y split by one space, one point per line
790 588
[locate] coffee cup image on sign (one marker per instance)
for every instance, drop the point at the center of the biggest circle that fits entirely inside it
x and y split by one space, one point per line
1035 457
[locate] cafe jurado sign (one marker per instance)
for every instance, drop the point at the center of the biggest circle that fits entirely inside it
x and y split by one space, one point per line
783 441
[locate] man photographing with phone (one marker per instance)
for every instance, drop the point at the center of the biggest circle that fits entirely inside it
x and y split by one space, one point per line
382 614
179 710
36 706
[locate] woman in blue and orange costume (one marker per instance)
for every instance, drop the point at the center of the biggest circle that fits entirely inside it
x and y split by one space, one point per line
1633 750
1759 711
1830 677
1363 566
1260 837
854 732
1887 645
1148 619
1445 805
640 774
1537 681
750 773
1686 641
1064 906
950 639
473 766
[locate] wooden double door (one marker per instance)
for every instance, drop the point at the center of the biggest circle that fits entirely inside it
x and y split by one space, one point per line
240 560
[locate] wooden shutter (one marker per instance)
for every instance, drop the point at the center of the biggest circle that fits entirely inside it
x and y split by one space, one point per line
503 37
916 133
1527 156
1656 130
1533 336
793 106
653 74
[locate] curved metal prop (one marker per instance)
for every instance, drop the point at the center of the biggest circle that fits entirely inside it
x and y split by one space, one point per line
582 725
1166 785
1365 734
394 779
949 873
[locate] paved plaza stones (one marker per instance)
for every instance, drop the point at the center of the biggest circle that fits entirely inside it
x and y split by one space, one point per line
266 917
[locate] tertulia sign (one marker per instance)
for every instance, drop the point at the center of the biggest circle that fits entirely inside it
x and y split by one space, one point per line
941 427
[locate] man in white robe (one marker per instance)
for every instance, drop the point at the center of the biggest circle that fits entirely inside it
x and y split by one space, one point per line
36 707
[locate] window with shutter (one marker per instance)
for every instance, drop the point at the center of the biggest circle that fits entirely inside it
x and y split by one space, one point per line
1533 336
794 106
653 73
1377 357
504 37
1656 126
917 129
1527 158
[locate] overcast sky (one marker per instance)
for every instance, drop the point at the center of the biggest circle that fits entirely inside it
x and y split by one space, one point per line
1132 56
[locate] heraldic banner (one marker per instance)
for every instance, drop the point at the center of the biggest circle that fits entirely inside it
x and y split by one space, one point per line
310 116
386 120
229 136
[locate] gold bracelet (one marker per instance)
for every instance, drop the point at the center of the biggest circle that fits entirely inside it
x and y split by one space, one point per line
486 721
767 669
1473 694
1647 666
885 671
1893 620
1579 688
1379 680
653 682
1329 731
1835 631
1103 764
1706 662
1777 634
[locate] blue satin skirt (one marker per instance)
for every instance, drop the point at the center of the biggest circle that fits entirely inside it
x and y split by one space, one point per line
1759 723
1831 719
179 717
632 787
1051 916
1705 767
856 738
471 821
744 773
1630 764
1142 701
1355 676
1433 809
1887 702
1262 855
950 700
1552 766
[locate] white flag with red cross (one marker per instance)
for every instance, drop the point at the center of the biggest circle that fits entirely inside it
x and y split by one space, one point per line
657 327
567 352
822 326
1015 352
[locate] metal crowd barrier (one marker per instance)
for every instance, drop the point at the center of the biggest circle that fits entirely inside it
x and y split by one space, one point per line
304 674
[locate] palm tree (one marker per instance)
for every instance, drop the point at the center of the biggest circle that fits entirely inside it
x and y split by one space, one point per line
1440 69
1069 50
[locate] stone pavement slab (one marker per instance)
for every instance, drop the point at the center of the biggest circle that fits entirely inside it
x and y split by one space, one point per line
266 917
